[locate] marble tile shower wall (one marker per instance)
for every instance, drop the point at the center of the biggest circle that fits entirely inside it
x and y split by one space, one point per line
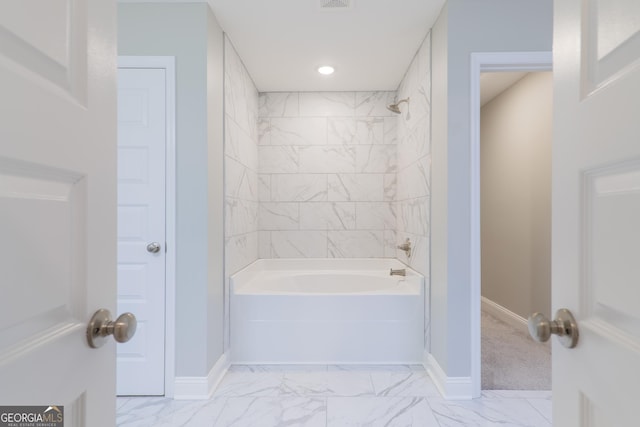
327 175
241 164
414 159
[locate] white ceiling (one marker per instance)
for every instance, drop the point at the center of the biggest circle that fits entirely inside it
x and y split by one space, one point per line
282 42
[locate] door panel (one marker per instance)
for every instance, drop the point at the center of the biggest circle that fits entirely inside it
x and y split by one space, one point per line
141 220
54 47
46 242
596 206
613 203
611 39
57 204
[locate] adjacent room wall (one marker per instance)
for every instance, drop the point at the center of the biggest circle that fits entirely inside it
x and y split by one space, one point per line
465 26
327 163
185 31
516 196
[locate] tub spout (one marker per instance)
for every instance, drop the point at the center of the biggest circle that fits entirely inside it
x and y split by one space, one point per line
399 272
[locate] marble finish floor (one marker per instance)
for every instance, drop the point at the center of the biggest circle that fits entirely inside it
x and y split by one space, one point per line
332 396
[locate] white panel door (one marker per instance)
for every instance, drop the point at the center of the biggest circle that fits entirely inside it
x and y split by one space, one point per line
141 222
57 204
596 210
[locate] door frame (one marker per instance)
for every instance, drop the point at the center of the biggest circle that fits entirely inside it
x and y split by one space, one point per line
486 62
168 64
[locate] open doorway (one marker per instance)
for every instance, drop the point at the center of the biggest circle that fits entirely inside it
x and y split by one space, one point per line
487 62
515 225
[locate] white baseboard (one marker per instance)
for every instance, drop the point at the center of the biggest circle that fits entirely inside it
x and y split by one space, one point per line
504 314
451 388
201 388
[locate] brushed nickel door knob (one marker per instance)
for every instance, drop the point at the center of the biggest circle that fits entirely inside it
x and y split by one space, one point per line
101 326
564 326
153 247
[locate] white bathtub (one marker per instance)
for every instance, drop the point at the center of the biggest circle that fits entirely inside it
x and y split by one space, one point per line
326 311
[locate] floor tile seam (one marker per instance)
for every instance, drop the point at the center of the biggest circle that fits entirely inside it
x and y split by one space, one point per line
540 412
373 394
379 397
373 386
328 395
481 403
194 412
326 412
369 396
387 398
271 398
514 397
429 403
221 411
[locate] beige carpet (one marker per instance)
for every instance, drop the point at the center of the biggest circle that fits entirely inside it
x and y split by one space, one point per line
511 360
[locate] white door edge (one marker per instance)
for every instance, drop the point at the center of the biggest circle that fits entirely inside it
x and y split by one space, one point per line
168 64
484 62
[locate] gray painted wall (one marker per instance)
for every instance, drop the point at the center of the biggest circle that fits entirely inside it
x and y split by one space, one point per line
465 26
439 131
215 150
190 33
515 167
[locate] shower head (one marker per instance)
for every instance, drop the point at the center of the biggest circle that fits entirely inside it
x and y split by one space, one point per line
395 108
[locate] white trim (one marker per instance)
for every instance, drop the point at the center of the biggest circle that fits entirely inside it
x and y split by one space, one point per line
202 388
168 64
451 388
483 62
505 315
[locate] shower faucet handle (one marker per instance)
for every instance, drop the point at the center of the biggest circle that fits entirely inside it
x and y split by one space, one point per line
406 247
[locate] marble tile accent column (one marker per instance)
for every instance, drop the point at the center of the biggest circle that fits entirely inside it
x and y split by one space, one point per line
241 170
414 159
413 198
241 163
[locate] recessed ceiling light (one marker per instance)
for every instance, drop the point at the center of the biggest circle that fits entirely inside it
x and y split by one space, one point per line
326 70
